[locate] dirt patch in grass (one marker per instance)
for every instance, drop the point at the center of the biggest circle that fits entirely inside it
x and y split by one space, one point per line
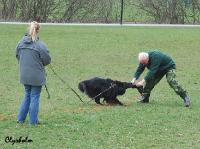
4 117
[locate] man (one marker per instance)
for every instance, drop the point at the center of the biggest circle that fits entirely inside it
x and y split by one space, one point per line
159 65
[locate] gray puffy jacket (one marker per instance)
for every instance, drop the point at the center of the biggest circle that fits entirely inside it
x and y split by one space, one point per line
32 57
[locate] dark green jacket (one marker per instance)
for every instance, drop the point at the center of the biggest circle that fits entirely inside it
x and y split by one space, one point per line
158 63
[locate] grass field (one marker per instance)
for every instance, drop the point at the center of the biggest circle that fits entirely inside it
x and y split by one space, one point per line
80 53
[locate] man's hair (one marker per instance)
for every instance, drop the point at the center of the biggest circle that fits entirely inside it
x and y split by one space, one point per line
143 56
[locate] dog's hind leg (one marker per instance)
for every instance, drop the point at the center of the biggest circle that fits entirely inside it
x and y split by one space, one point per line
97 100
114 102
118 102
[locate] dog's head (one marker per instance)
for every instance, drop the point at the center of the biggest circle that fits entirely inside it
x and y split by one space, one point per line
82 87
119 87
122 86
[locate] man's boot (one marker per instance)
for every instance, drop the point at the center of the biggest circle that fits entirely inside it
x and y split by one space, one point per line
140 89
187 101
144 98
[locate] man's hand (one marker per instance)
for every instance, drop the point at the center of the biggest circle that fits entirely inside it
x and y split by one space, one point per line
141 83
133 81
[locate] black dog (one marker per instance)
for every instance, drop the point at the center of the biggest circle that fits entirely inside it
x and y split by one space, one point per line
108 89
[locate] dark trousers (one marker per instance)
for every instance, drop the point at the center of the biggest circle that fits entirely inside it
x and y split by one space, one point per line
171 79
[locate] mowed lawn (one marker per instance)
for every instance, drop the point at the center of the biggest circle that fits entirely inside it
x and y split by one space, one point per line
80 53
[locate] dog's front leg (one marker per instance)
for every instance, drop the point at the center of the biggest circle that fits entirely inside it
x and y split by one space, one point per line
118 102
97 100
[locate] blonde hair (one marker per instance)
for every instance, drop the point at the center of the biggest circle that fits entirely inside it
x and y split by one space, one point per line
34 30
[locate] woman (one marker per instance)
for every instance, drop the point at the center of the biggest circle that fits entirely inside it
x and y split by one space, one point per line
33 56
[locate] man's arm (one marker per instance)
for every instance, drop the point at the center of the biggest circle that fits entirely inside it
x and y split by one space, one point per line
153 69
138 72
154 66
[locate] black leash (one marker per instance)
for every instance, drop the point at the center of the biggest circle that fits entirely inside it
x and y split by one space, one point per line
111 86
63 81
47 91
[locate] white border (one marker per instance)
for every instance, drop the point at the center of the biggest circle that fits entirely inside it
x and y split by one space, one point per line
99 24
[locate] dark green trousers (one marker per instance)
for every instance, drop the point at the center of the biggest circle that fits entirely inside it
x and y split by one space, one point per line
171 79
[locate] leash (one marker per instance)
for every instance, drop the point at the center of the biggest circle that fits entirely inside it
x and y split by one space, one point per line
64 82
111 86
47 91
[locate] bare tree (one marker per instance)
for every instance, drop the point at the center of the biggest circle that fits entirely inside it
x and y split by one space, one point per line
105 10
36 9
72 8
195 11
159 11
8 9
169 11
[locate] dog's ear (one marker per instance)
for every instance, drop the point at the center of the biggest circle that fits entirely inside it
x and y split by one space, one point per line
108 80
81 87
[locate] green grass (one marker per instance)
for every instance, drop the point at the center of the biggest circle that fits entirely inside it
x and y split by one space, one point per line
80 53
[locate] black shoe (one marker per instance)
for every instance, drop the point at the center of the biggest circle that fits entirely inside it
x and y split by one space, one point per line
36 124
187 101
144 98
20 122
143 101
140 89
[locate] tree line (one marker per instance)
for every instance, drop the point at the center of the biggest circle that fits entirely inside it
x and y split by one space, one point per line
104 11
